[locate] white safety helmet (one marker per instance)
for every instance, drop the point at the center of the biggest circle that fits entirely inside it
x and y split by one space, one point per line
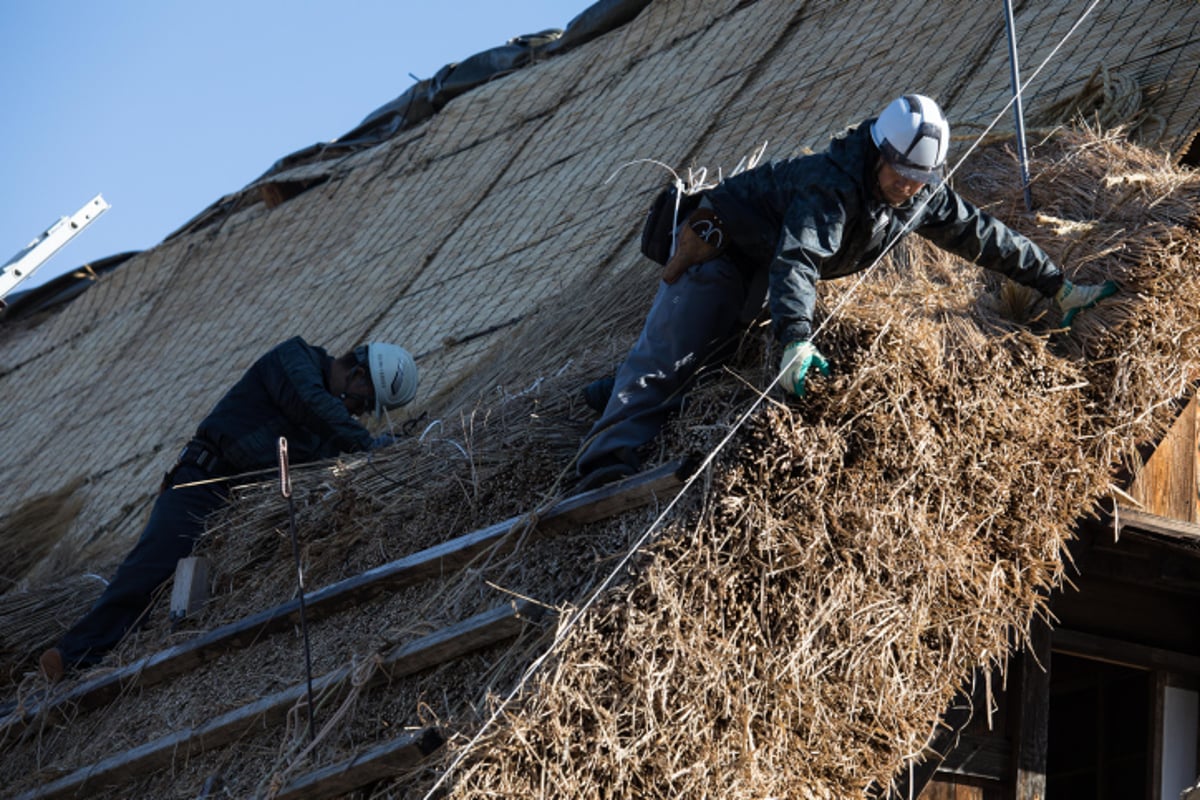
913 137
393 374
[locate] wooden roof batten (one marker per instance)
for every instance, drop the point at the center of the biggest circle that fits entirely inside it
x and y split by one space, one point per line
451 555
478 632
481 631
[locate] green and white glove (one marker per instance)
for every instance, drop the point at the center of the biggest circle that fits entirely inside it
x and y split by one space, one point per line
1075 297
798 357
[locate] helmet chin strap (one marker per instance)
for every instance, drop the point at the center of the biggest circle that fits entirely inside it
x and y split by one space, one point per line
361 399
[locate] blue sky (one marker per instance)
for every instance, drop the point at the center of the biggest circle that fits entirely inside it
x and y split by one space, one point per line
163 106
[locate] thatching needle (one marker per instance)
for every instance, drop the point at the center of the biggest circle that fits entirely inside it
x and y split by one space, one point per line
285 488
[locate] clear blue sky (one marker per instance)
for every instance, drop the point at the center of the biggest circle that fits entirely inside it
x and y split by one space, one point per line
163 106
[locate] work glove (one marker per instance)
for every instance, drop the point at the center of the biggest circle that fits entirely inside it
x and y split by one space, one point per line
382 440
797 358
1075 297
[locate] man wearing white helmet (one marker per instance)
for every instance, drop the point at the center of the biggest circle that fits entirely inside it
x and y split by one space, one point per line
296 391
798 221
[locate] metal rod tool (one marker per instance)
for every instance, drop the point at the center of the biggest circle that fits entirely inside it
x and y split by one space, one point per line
285 488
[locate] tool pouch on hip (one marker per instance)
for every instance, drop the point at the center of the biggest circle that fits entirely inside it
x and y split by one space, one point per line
702 238
661 220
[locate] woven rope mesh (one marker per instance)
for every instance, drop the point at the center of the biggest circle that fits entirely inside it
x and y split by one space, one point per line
483 214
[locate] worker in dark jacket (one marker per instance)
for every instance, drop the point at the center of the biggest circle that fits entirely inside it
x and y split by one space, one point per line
801 220
296 391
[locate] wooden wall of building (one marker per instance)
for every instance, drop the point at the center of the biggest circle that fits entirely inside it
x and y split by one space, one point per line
1166 484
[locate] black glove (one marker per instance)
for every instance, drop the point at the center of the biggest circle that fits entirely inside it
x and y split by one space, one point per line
382 440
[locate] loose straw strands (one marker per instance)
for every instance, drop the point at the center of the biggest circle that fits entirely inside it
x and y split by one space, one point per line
857 555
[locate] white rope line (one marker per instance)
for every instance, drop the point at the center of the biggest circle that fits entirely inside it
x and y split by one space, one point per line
697 180
865 273
567 628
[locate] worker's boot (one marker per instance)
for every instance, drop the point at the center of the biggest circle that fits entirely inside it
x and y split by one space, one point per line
51 663
596 393
609 468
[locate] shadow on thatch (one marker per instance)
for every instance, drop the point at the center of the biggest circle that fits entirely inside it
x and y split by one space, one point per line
29 533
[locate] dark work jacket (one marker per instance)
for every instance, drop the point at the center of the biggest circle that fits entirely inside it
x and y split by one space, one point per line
817 217
285 393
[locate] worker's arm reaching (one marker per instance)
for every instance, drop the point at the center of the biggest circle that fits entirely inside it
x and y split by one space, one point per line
295 383
956 225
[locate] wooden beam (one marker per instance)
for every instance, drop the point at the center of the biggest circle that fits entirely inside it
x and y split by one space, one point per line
378 763
440 559
479 631
1032 712
1158 685
1136 520
1125 654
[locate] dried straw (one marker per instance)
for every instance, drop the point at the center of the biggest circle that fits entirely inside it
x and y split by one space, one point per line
28 533
33 619
856 555
808 610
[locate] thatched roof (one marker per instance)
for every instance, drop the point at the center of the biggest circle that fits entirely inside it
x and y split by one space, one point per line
484 218
801 615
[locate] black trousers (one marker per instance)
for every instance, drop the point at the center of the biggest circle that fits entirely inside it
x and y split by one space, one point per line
176 522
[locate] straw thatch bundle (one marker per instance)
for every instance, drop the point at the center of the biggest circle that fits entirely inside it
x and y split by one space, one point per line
29 532
33 619
855 555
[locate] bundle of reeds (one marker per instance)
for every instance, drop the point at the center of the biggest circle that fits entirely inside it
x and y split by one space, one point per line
33 619
855 555
30 531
